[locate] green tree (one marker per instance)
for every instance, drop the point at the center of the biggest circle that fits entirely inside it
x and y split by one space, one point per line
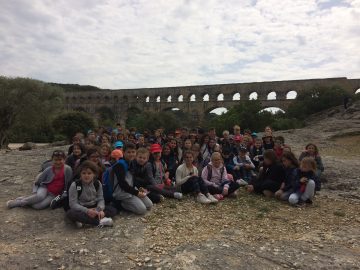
315 100
26 104
68 124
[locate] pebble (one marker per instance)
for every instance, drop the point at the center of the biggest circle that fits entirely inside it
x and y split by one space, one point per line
147 259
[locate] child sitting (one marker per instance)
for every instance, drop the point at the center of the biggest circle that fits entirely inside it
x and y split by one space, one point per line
105 152
125 195
279 146
256 152
312 151
188 180
243 168
86 201
291 165
268 142
142 171
48 184
216 177
306 182
78 151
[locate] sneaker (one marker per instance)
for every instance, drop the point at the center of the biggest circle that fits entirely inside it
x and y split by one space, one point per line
106 222
56 202
162 198
242 182
79 225
201 198
219 197
13 203
212 198
178 195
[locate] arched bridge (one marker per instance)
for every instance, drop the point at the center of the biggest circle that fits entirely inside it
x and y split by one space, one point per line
198 100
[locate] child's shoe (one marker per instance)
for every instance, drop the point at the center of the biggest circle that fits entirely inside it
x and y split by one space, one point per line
212 198
78 224
201 198
106 222
13 203
178 195
242 182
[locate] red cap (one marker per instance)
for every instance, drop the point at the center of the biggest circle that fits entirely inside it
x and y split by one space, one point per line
155 148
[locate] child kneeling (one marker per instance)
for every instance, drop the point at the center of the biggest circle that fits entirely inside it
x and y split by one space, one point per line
86 200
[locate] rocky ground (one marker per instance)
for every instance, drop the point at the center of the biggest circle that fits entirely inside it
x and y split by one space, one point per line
249 232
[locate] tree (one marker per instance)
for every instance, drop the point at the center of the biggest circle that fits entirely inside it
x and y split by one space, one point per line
70 123
25 104
315 100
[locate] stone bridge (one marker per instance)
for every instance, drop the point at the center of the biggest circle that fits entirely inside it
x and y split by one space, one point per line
198 100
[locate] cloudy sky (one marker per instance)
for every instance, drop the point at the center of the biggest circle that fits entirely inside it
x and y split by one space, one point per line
142 43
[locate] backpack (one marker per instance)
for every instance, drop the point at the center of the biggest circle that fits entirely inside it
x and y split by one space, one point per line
64 200
108 181
209 168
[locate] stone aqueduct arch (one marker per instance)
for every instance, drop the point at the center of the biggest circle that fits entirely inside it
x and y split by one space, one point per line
197 100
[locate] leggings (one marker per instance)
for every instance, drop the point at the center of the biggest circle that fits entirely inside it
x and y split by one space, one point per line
39 200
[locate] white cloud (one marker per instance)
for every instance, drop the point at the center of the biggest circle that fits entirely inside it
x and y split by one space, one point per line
131 44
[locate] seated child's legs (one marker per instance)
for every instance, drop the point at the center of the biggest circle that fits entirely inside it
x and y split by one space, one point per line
80 216
294 198
285 195
233 186
39 196
45 203
135 205
154 197
191 185
110 211
165 191
309 191
215 190
147 202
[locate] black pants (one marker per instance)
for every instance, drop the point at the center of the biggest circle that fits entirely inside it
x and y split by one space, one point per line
233 186
80 216
266 184
194 185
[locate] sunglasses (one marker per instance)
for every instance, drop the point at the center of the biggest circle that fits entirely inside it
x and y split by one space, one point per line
58 153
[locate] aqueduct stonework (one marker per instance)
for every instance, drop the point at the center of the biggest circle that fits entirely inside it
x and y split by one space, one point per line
198 100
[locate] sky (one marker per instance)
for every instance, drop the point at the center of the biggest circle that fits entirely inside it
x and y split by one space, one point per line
137 44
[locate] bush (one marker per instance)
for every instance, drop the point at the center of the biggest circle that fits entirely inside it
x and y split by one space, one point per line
68 124
316 100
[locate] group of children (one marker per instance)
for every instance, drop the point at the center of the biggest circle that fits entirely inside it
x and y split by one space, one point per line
106 172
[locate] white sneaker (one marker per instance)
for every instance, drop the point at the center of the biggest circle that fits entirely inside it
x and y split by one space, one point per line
106 222
178 195
212 199
78 224
242 182
201 198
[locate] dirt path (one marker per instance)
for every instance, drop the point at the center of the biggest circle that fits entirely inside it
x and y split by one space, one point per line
249 232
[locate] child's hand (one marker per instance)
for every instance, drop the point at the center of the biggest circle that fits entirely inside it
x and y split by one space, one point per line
278 193
247 166
92 213
303 180
101 214
225 192
141 194
250 188
167 182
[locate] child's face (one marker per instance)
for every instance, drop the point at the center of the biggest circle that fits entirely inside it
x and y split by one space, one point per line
172 144
267 161
268 130
278 143
58 162
105 139
187 144
286 162
216 161
189 159
77 151
258 144
141 140
242 154
305 167
142 159
104 151
157 155
130 154
89 144
311 149
87 176
166 150
94 157
76 140
211 143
